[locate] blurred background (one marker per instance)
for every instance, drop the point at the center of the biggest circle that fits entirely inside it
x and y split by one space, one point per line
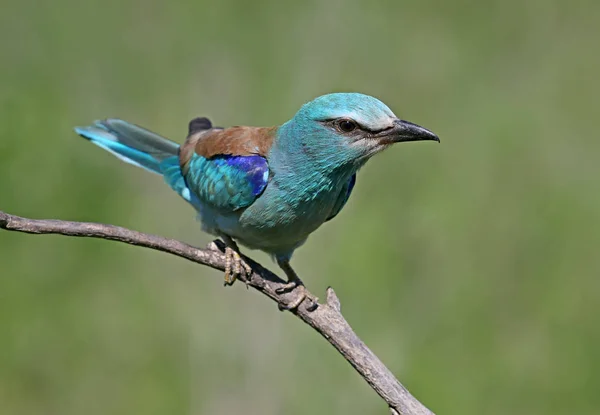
470 267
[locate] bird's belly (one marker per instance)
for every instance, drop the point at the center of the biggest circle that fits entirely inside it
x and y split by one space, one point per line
278 227
273 223
259 228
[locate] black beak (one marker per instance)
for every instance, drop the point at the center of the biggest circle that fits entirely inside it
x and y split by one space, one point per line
407 131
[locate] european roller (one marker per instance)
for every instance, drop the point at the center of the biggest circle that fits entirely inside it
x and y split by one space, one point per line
267 188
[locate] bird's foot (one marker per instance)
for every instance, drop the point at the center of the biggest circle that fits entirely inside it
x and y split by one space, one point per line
235 267
300 293
286 288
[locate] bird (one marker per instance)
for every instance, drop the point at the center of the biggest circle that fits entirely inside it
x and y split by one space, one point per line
267 188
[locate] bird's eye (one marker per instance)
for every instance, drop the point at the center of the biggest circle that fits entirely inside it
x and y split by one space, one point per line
346 126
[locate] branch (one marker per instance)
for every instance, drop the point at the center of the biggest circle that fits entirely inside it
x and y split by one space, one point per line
326 318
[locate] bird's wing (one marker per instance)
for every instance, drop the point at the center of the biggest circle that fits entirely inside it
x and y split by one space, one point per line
343 197
226 169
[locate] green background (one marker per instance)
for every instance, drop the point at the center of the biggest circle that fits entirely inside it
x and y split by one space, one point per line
471 267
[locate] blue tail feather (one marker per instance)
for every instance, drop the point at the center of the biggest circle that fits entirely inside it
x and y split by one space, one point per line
140 147
107 141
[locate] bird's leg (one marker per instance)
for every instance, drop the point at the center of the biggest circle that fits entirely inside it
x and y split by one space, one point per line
235 266
294 282
293 278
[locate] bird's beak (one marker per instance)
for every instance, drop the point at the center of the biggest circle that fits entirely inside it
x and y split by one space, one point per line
407 131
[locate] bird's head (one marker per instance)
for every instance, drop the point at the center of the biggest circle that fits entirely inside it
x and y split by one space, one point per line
350 128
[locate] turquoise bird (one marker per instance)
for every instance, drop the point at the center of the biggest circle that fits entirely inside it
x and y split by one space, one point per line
267 188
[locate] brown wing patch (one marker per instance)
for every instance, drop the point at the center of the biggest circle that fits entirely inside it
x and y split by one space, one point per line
186 151
236 141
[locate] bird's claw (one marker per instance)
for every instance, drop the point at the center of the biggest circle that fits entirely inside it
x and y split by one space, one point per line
286 288
235 267
301 294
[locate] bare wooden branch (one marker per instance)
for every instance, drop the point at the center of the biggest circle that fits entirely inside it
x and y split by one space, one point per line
326 318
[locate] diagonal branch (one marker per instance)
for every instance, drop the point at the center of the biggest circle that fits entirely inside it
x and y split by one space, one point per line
326 319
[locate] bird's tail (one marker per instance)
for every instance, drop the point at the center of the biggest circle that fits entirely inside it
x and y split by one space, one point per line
140 147
130 143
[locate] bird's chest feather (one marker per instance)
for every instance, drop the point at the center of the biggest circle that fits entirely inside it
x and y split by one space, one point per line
294 204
